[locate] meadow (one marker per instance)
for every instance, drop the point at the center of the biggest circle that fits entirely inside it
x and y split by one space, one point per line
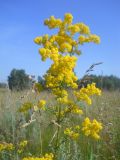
39 133
60 120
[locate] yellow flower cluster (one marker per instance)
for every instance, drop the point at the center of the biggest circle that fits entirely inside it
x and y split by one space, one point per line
52 22
73 108
76 110
60 93
84 29
65 47
23 143
25 107
91 38
91 128
6 146
94 38
68 18
41 104
72 132
38 40
28 105
49 53
62 100
63 42
85 93
73 29
79 28
61 73
46 157
21 146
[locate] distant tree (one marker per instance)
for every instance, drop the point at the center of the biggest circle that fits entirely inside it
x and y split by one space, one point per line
41 81
18 80
104 82
3 85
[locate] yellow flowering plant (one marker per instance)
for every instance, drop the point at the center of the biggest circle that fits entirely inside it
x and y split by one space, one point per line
68 119
62 48
10 149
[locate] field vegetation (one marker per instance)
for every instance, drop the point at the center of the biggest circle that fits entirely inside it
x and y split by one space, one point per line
105 108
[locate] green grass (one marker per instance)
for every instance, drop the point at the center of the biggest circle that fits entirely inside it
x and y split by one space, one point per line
105 109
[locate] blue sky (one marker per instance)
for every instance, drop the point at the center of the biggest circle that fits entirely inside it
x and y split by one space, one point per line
21 21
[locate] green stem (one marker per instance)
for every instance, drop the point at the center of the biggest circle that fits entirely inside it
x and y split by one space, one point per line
41 140
41 146
58 130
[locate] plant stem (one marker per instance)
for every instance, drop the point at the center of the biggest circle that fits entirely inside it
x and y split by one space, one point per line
58 129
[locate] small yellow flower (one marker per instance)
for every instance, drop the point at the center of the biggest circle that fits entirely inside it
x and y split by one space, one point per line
41 104
77 127
94 38
25 107
47 156
65 47
68 18
6 146
21 146
69 132
38 40
73 29
23 143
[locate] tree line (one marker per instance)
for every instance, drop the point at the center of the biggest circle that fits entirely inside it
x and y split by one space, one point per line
106 82
19 80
